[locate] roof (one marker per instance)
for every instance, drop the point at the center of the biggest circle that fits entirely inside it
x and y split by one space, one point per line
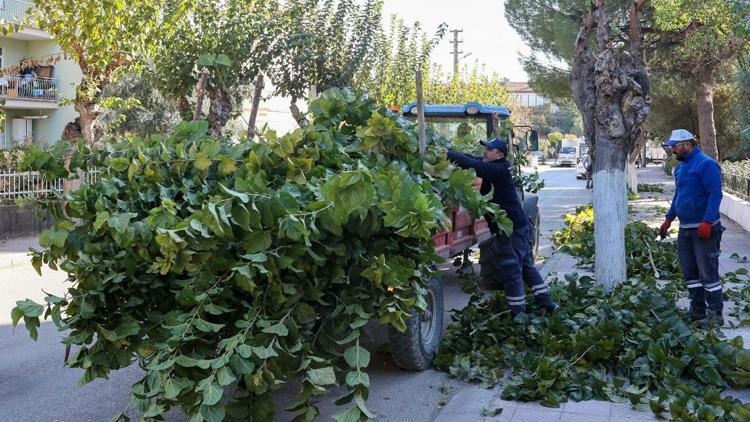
520 88
457 109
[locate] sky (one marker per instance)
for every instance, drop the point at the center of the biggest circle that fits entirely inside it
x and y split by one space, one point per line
487 35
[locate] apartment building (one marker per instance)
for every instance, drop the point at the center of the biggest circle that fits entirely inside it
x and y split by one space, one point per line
34 78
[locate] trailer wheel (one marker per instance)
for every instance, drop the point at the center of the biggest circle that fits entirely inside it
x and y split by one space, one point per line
415 347
530 206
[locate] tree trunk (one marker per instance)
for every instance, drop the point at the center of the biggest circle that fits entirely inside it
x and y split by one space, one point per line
71 134
639 146
200 92
296 114
182 104
219 111
610 212
88 121
632 171
706 125
254 110
612 91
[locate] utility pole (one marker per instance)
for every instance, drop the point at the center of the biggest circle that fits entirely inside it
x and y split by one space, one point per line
455 41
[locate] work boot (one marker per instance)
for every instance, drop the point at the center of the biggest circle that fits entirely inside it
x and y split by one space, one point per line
713 319
552 309
696 315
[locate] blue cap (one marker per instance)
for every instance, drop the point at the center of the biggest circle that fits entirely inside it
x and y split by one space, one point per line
497 144
678 136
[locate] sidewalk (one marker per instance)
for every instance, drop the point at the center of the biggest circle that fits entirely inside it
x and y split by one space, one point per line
467 405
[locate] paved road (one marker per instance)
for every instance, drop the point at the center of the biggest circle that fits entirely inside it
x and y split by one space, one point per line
562 192
35 386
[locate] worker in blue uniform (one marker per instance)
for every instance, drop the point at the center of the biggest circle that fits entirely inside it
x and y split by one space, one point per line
696 203
511 261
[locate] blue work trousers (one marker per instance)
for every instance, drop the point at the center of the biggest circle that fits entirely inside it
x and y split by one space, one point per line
699 262
507 263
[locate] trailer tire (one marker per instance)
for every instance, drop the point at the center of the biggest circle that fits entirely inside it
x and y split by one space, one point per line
414 349
531 208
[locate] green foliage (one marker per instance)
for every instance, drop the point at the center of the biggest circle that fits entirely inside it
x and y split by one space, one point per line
717 25
631 345
645 257
323 44
10 158
577 237
669 164
527 182
146 112
210 262
555 137
651 187
566 118
233 40
737 289
549 28
473 84
388 74
104 37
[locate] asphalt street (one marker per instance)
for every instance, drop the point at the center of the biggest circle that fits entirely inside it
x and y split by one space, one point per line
35 386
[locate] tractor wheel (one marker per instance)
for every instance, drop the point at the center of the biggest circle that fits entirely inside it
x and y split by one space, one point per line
415 347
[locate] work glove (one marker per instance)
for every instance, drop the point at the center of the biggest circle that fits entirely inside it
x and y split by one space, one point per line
664 228
704 231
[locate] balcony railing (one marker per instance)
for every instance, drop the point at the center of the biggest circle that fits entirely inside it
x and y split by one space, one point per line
14 11
27 87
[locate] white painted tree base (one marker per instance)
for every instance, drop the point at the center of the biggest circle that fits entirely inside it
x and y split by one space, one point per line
632 177
610 217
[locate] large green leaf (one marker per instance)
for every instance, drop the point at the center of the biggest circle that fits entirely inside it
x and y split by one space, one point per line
322 376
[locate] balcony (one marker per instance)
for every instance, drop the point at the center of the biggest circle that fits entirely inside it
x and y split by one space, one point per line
25 92
14 11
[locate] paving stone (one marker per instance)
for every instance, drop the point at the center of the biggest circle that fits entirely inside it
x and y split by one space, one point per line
505 416
458 417
624 412
472 399
741 395
588 407
503 404
577 417
529 414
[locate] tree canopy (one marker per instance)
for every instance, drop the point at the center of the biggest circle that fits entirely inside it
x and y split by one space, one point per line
105 37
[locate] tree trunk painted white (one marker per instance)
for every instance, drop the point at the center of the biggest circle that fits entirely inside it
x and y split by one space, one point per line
612 91
632 176
611 205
